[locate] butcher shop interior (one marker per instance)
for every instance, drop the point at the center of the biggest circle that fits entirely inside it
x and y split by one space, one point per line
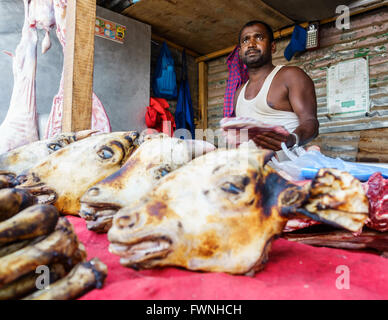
193 150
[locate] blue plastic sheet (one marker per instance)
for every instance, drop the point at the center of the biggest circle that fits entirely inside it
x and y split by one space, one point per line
306 166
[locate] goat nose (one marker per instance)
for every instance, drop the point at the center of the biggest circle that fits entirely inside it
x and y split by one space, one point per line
132 136
128 220
93 192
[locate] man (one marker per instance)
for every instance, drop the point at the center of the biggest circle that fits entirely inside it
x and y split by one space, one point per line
281 95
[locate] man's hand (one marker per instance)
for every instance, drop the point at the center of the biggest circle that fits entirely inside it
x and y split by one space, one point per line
265 139
271 140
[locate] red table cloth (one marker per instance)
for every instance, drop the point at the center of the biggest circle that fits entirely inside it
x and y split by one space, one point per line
294 271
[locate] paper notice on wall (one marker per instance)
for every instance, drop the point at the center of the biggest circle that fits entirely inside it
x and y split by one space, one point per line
348 87
109 30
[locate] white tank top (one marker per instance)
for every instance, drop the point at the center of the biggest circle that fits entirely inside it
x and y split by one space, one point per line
258 108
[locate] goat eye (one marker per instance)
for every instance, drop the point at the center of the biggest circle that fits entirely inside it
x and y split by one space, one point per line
164 172
161 172
105 153
231 188
54 146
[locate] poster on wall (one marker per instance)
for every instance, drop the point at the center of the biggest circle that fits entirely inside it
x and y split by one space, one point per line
348 87
109 30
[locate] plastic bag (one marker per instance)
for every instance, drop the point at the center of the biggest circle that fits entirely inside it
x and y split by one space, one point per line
164 83
306 164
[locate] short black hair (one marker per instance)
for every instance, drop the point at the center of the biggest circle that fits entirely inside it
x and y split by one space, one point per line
252 23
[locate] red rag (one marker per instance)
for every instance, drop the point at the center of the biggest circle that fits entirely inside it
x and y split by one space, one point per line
159 118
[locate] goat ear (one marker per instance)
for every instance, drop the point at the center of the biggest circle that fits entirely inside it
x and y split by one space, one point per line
79 135
8 53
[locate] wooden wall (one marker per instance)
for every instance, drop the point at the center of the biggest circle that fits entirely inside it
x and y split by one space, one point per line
358 138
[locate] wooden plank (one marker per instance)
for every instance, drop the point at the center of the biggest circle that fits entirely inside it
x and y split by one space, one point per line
362 146
373 145
322 236
213 93
201 25
217 85
78 65
203 92
333 145
217 62
219 68
174 45
215 54
287 31
218 76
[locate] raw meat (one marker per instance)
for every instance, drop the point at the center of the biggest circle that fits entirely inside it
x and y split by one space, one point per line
100 120
20 125
377 192
297 224
42 17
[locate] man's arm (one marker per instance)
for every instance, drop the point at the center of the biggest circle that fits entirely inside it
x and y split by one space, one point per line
301 97
301 94
236 94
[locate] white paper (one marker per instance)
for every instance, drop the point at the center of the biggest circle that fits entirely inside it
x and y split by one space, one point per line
348 87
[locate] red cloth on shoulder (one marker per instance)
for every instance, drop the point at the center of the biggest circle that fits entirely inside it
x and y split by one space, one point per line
294 271
159 118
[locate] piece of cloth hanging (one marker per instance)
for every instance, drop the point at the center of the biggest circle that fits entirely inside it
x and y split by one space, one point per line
184 115
297 43
158 116
238 75
164 81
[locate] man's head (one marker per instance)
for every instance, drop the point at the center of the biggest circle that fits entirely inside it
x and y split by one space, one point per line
256 43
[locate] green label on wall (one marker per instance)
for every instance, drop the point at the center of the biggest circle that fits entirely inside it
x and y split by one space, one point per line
348 104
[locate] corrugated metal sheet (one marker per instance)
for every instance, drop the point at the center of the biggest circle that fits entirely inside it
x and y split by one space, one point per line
368 36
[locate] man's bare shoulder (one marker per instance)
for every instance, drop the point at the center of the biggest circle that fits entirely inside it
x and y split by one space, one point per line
294 72
290 74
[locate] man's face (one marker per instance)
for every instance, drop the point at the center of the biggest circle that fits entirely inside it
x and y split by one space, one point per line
255 46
